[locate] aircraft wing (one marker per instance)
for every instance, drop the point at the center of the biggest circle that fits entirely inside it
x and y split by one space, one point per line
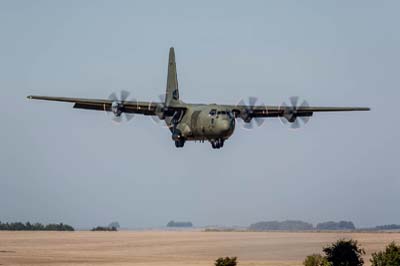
246 112
136 107
277 111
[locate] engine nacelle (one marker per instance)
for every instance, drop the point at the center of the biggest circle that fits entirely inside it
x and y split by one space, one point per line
116 108
245 115
160 111
291 117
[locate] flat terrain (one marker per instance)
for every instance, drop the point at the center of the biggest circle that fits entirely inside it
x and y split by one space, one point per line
170 248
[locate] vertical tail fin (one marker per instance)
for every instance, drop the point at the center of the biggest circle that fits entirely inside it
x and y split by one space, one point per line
172 94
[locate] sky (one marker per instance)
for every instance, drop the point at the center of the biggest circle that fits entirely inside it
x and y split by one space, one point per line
59 164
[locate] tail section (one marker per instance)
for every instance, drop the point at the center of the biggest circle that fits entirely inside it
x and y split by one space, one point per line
172 94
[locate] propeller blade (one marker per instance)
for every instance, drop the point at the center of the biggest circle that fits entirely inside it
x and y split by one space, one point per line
113 97
284 120
124 95
259 121
305 119
159 118
249 125
117 114
304 104
117 119
247 113
295 124
294 100
290 112
283 106
252 102
129 116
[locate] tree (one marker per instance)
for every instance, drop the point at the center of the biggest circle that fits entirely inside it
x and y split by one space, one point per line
342 225
344 253
316 260
38 227
104 228
226 261
114 224
18 226
288 225
28 226
389 257
179 224
388 227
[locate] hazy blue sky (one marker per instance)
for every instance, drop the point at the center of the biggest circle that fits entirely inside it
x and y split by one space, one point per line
60 164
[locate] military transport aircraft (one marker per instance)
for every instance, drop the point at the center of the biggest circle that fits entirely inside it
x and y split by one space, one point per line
198 122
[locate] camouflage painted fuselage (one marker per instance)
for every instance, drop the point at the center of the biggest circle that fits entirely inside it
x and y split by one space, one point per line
205 123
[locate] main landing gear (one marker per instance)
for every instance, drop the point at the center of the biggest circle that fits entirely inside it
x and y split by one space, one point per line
217 143
179 143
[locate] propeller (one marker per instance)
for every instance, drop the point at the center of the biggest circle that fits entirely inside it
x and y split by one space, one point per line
248 122
117 106
290 113
160 111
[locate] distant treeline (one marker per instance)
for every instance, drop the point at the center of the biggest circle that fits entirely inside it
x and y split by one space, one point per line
113 226
342 225
288 225
294 225
388 227
179 224
18 226
104 228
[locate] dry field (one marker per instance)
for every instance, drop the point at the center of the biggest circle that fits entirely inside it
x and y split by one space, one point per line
169 248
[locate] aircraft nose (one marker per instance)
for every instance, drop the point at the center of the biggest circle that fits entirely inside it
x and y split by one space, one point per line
225 126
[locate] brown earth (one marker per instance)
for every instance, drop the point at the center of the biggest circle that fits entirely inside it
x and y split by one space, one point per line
172 248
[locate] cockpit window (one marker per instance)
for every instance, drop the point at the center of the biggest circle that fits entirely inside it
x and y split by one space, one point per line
214 112
223 113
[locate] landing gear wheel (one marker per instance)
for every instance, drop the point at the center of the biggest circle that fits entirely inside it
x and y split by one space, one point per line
221 143
218 143
179 143
213 144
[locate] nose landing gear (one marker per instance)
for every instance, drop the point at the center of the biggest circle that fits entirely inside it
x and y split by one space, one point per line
217 143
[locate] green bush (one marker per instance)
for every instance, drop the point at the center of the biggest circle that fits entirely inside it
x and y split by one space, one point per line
344 253
226 261
316 260
18 226
389 257
104 228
